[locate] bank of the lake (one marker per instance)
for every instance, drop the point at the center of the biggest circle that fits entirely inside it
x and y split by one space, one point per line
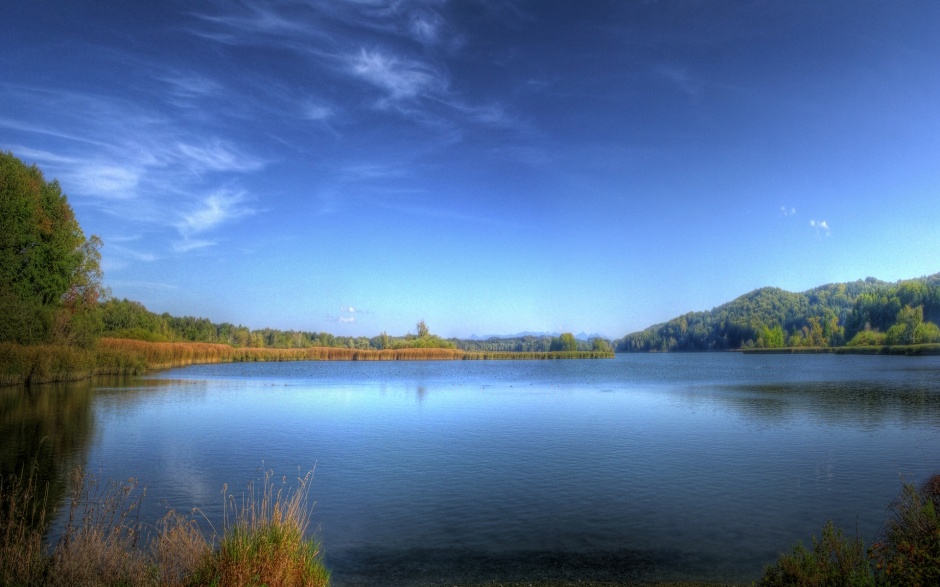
905 349
36 364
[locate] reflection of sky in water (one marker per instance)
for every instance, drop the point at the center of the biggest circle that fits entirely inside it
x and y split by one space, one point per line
623 460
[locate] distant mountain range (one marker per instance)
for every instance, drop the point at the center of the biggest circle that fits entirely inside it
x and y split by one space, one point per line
829 315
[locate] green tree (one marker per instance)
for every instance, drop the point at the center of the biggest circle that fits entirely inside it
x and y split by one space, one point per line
50 275
422 329
600 345
905 328
565 342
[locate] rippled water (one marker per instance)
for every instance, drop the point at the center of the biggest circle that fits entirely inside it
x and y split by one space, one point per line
652 466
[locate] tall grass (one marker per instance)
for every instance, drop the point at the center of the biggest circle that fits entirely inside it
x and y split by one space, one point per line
22 519
34 364
44 363
263 540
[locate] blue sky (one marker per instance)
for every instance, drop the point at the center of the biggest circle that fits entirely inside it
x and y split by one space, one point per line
354 166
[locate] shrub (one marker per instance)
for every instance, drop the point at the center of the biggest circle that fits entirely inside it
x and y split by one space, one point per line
867 338
910 552
833 561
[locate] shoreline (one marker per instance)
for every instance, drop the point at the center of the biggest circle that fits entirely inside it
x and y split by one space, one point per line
909 350
25 365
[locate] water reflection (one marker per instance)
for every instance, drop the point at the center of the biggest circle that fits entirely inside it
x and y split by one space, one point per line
47 427
864 404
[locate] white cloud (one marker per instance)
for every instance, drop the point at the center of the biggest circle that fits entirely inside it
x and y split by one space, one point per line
784 211
217 156
425 27
821 226
106 180
313 111
402 79
346 319
187 244
189 85
216 209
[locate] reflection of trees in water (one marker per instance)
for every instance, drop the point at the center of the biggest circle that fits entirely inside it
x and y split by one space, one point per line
48 427
860 403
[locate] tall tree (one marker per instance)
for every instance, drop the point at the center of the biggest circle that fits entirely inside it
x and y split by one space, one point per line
422 330
46 263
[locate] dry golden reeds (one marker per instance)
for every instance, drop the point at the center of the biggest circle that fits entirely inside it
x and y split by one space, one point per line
263 540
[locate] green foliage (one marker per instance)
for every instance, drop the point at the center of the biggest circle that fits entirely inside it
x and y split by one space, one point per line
867 338
825 316
833 561
601 346
422 329
927 332
519 344
910 553
566 342
46 264
908 556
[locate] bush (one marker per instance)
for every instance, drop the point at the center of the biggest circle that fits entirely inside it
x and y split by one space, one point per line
910 552
867 338
833 561
908 556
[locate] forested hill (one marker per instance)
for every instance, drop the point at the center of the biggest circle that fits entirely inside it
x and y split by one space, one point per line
858 313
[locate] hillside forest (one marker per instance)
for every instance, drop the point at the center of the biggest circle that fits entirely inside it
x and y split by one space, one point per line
866 312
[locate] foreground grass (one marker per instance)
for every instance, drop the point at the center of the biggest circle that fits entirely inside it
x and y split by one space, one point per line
25 365
262 543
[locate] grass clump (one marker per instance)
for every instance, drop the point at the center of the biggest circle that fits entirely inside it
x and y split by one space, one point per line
263 541
104 543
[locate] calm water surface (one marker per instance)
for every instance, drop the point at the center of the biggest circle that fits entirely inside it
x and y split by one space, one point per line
651 466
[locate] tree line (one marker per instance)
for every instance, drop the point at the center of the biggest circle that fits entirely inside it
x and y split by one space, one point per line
859 313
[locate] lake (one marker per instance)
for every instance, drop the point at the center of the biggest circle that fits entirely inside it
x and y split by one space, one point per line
665 466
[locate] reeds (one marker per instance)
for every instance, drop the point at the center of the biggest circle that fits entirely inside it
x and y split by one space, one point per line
35 364
21 364
263 540
101 538
22 519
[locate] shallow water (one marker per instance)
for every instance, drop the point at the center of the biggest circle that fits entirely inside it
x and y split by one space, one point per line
647 466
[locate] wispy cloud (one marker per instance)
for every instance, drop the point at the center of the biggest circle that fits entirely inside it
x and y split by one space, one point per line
680 78
821 226
316 111
400 78
216 209
425 26
217 156
787 211
395 47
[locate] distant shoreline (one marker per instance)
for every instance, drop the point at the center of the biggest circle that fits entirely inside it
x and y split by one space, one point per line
39 364
906 350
